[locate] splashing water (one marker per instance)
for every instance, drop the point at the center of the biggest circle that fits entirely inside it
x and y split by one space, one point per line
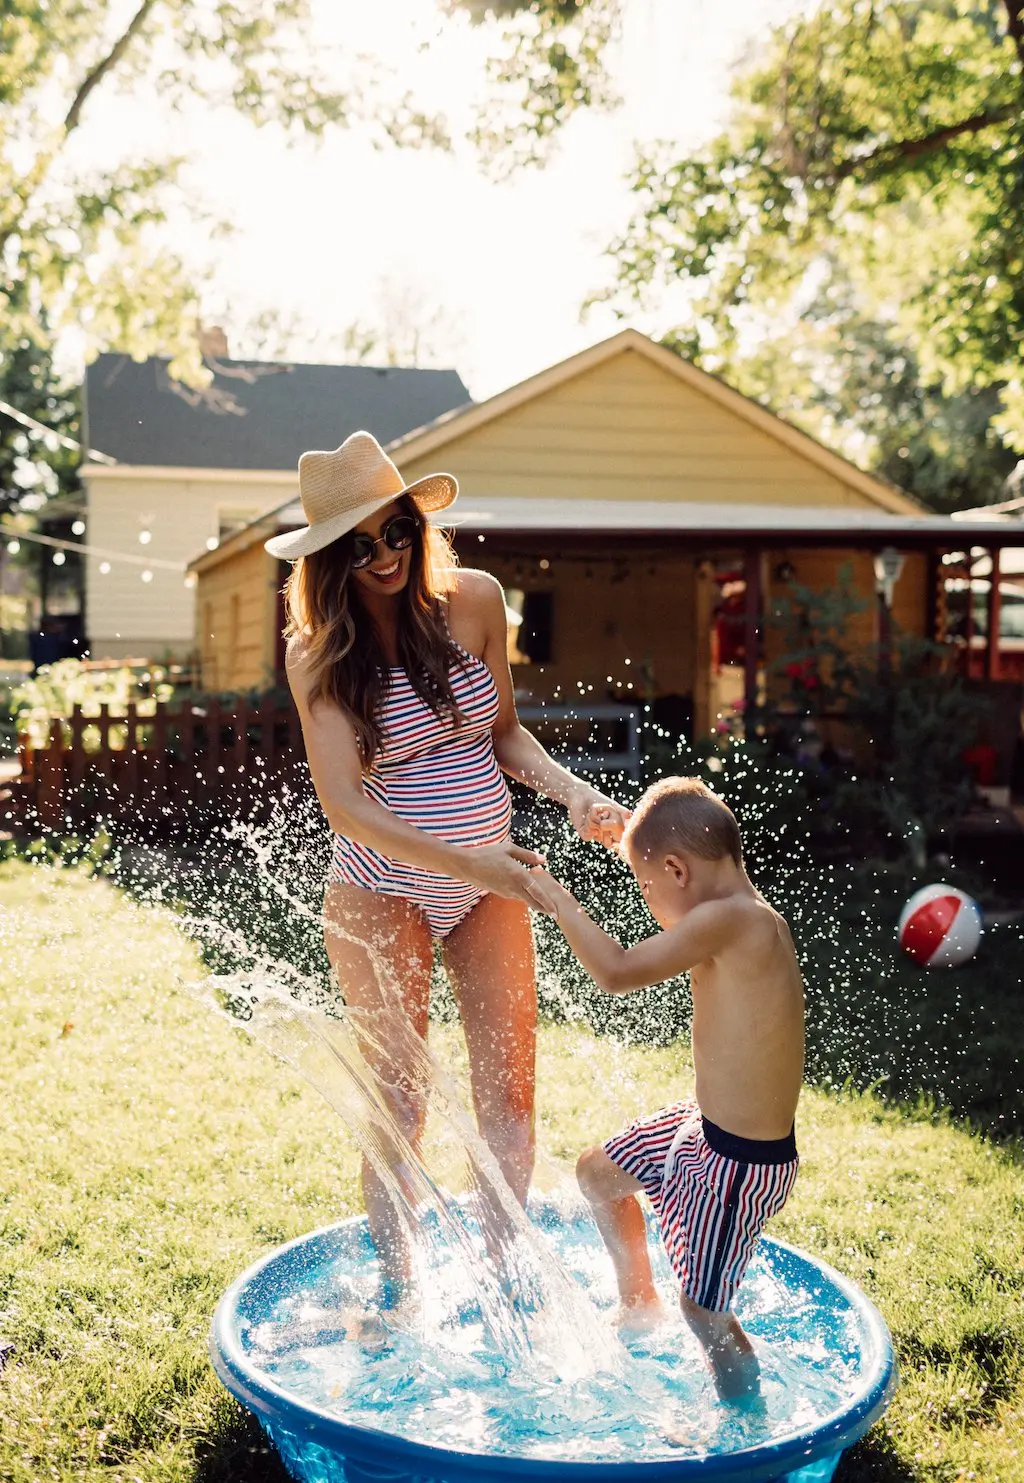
533 1313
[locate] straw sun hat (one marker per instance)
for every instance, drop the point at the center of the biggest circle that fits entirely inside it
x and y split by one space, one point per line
340 489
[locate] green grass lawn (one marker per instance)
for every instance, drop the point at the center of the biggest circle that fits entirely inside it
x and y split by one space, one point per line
149 1151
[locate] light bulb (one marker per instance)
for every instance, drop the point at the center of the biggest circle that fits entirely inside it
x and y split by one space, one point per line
14 547
59 558
78 527
145 536
147 575
104 568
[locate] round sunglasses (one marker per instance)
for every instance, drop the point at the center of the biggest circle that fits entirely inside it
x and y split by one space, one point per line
397 535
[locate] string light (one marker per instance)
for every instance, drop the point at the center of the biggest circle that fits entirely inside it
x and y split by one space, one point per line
147 575
104 568
78 527
58 558
145 536
212 543
57 544
14 547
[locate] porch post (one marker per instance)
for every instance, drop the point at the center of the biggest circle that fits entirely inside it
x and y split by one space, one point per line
992 669
751 626
969 621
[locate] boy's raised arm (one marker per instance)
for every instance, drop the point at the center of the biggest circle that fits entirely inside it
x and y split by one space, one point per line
619 970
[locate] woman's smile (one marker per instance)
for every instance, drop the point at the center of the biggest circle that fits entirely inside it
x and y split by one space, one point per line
386 575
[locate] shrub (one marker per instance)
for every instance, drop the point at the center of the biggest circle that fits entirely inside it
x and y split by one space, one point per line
56 689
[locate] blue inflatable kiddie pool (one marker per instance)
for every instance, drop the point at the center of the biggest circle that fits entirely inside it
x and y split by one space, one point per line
415 1412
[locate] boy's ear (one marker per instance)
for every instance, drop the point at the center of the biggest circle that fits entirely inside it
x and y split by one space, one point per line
679 868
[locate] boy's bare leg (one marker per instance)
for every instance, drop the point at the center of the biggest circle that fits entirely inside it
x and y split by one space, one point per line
734 1366
612 1195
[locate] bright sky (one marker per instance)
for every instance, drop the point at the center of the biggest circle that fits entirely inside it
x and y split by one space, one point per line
340 232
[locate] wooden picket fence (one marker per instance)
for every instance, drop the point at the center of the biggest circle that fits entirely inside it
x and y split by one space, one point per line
196 755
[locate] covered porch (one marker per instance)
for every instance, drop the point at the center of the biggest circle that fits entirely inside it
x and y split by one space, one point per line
669 606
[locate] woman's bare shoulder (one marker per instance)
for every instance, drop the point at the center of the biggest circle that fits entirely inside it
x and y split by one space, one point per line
298 660
475 589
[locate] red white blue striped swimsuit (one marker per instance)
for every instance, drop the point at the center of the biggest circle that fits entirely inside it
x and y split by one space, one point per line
441 777
712 1193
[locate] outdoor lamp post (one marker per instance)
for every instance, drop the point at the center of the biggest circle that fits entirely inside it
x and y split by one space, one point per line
888 567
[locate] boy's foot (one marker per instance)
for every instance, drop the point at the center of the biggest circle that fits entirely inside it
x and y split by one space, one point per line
734 1367
730 1354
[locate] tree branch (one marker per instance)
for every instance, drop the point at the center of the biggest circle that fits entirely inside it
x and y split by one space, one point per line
105 65
1015 25
886 155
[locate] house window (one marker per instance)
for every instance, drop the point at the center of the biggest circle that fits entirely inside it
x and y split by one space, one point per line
530 617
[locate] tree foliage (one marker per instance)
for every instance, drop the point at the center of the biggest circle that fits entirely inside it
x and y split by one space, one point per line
35 466
551 65
85 244
885 136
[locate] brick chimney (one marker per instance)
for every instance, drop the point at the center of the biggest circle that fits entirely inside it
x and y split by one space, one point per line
213 342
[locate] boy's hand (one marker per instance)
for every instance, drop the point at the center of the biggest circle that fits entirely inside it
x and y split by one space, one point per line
596 817
549 895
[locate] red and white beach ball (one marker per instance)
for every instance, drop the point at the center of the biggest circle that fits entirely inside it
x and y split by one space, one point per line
940 927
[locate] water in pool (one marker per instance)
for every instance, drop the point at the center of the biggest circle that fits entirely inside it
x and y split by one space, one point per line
435 1377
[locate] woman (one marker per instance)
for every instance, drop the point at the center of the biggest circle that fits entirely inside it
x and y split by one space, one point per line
398 664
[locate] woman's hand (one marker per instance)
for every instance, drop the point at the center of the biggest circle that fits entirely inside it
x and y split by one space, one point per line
502 868
596 817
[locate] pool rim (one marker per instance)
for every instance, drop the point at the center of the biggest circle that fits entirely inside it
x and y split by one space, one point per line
766 1460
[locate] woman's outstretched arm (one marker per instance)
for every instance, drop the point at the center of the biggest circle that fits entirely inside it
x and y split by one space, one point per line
518 751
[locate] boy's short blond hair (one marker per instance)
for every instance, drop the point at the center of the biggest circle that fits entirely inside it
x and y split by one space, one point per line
683 814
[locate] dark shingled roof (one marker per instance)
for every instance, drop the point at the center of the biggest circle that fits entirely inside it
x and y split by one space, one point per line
255 414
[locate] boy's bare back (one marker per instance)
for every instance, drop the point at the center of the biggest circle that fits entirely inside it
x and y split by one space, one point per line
748 1023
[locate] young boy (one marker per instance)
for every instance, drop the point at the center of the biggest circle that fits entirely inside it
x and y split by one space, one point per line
717 1168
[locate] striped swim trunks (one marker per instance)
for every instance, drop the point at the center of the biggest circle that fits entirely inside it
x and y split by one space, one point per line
711 1191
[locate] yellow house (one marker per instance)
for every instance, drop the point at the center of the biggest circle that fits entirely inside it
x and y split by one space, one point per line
640 515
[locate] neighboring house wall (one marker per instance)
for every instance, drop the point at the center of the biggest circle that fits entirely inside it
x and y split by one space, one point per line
126 616
237 622
628 429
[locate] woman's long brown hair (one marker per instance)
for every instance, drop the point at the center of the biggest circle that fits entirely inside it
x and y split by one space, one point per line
344 653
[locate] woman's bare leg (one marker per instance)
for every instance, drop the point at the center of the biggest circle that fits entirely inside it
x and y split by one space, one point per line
612 1195
397 932
490 963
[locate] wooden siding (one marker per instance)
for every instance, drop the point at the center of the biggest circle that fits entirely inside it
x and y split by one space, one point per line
644 612
821 570
124 615
627 429
237 614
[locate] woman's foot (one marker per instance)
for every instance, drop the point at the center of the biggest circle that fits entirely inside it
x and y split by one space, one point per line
640 1316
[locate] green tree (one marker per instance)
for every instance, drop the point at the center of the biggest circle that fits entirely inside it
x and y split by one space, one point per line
883 135
550 65
35 466
85 245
